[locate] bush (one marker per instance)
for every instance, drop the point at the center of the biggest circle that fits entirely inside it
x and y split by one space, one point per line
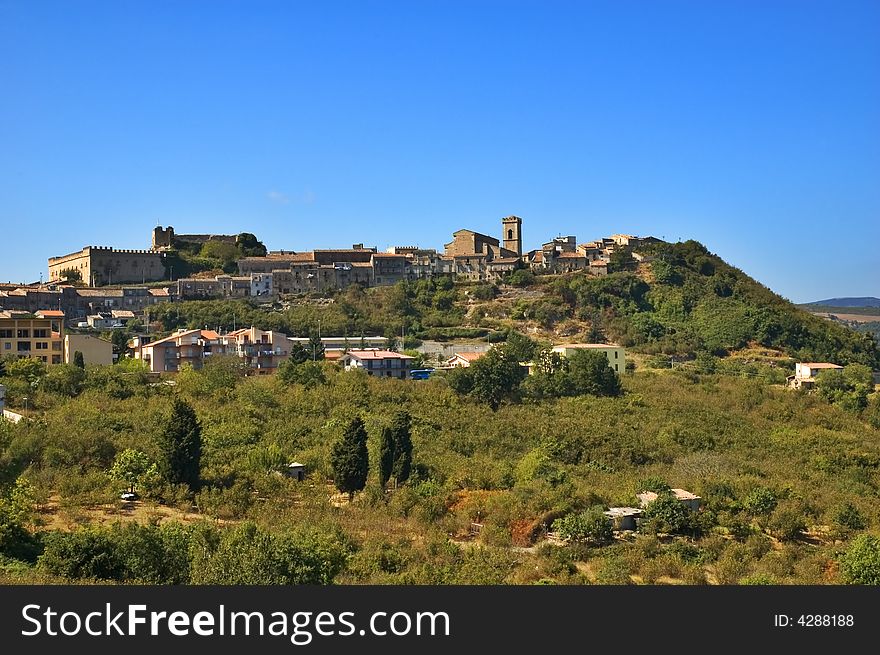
590 525
860 564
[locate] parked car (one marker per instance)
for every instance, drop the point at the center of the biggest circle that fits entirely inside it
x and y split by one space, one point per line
129 495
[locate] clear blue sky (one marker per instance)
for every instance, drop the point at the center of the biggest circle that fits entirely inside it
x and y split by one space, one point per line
751 126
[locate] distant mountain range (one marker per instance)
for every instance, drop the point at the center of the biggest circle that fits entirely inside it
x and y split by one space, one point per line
869 301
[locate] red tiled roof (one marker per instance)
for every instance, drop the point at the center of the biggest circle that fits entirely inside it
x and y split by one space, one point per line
50 313
468 357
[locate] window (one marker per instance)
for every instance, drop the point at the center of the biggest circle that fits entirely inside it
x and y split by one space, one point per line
41 334
56 345
45 360
615 354
24 334
615 368
42 345
24 346
5 334
7 346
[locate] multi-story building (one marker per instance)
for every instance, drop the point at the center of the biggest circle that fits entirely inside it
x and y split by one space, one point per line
191 347
100 266
39 335
380 363
261 350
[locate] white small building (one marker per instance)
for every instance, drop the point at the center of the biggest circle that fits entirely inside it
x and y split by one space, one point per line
805 373
261 285
379 363
623 518
296 470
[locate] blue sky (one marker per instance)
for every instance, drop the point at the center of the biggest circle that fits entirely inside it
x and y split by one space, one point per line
751 126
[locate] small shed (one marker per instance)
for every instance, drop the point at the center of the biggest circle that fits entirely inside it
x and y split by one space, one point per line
296 470
623 518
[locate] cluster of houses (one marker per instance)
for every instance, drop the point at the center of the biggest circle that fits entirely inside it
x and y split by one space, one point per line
470 255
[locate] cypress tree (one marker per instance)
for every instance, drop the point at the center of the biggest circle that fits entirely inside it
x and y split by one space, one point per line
402 439
78 360
350 459
386 455
181 445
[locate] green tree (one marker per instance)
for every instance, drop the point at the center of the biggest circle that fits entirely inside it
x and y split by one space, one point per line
386 455
299 354
119 339
181 445
71 274
133 466
26 368
666 514
16 507
590 374
63 379
250 246
590 525
521 278
521 346
78 359
308 374
496 376
315 348
350 459
621 259
860 563
401 432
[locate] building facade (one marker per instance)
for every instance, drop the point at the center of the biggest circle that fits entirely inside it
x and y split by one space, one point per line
39 335
379 363
99 266
95 351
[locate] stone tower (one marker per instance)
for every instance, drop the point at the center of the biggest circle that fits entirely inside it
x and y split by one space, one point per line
162 238
511 234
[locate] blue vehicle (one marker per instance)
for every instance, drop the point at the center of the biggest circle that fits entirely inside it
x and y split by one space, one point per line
421 373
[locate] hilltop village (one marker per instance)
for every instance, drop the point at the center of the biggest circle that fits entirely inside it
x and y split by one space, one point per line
100 288
469 256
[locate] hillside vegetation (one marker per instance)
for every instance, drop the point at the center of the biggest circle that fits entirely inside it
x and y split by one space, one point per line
788 483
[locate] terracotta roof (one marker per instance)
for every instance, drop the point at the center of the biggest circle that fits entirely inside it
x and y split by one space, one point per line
504 260
587 345
820 365
169 338
570 255
159 292
377 354
50 313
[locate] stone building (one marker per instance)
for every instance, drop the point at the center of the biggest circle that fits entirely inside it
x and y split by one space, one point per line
102 265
